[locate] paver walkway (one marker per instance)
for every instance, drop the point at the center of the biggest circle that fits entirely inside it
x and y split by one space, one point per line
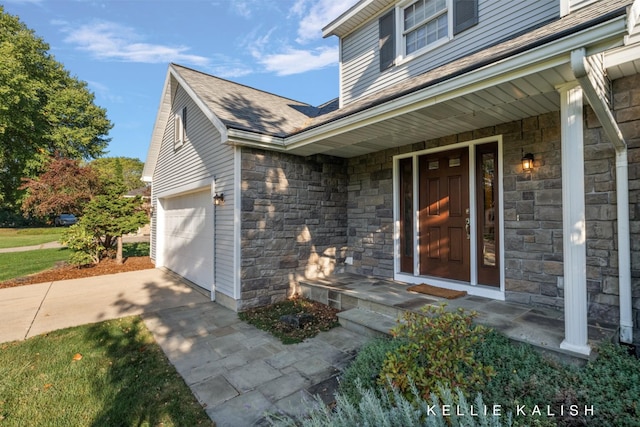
239 372
236 371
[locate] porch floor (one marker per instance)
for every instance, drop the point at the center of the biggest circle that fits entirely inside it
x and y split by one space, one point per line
354 294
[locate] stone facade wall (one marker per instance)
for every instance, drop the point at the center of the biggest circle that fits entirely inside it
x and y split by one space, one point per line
370 213
532 207
294 222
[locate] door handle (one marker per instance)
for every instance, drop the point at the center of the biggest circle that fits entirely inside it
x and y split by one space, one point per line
467 226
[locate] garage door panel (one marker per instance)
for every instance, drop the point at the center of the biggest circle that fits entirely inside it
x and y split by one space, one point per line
188 234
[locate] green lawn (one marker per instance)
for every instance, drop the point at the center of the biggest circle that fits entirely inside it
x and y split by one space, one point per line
105 374
16 237
18 264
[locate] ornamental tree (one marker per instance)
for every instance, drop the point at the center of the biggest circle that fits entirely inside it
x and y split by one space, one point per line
109 217
65 187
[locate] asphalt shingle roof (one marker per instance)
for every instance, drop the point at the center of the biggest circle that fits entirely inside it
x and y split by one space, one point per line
245 108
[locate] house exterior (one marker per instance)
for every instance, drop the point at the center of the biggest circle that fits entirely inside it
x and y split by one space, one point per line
485 146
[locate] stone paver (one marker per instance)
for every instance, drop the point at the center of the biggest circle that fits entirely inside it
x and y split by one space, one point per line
250 373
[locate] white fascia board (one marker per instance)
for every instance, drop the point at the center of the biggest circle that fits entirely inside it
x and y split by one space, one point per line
329 29
156 136
244 138
621 55
538 59
163 113
200 103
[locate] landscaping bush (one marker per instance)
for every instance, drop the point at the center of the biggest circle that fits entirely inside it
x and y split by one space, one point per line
522 375
438 349
366 367
611 383
86 249
395 410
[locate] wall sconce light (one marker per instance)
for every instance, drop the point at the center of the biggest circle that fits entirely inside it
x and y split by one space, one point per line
218 199
527 162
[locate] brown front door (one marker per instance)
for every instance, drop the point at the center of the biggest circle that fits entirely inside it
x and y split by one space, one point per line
444 215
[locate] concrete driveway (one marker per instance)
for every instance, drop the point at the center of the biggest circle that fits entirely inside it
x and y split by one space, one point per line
26 311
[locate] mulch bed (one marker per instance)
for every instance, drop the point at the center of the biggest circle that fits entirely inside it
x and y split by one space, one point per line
268 319
66 272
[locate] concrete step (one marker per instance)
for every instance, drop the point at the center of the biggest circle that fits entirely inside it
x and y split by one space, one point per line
366 322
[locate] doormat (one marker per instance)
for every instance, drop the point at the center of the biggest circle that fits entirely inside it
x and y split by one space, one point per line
436 291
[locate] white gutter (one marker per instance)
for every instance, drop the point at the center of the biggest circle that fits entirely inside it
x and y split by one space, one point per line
584 73
243 138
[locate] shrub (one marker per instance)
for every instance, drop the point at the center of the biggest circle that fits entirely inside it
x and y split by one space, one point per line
366 367
438 349
611 383
86 249
395 410
522 375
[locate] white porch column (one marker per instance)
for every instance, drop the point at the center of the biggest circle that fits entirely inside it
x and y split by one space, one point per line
573 221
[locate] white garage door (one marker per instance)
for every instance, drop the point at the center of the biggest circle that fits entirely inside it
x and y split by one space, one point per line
188 237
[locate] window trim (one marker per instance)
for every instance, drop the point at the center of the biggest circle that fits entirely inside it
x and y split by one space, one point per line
179 128
401 45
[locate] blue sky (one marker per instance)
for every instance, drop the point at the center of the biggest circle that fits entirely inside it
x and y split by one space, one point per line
122 48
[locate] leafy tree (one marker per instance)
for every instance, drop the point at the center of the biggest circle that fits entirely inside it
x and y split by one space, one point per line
108 217
43 110
65 187
125 171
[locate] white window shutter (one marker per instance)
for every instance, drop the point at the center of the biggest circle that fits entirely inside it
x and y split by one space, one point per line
178 131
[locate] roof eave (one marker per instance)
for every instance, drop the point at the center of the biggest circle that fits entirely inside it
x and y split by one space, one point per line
596 39
156 136
343 24
244 138
162 117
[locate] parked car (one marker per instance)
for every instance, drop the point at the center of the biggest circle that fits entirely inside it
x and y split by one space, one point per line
65 219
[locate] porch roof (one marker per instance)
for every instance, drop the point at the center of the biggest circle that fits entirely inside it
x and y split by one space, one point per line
512 80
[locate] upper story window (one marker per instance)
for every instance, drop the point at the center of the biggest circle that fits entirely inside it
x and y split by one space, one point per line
421 24
425 22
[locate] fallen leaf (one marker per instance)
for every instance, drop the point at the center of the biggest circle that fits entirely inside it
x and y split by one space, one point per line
48 386
77 356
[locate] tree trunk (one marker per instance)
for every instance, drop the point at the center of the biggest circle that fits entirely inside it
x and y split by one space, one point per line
119 251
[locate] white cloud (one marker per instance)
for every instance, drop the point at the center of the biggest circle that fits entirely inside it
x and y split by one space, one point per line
102 91
225 67
112 41
242 8
284 56
316 15
296 61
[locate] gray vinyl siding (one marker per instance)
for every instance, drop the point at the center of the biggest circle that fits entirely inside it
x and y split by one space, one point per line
199 159
499 20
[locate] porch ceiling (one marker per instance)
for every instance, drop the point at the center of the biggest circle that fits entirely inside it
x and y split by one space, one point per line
517 99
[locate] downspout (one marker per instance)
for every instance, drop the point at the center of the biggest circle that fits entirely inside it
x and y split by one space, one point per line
584 73
213 201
